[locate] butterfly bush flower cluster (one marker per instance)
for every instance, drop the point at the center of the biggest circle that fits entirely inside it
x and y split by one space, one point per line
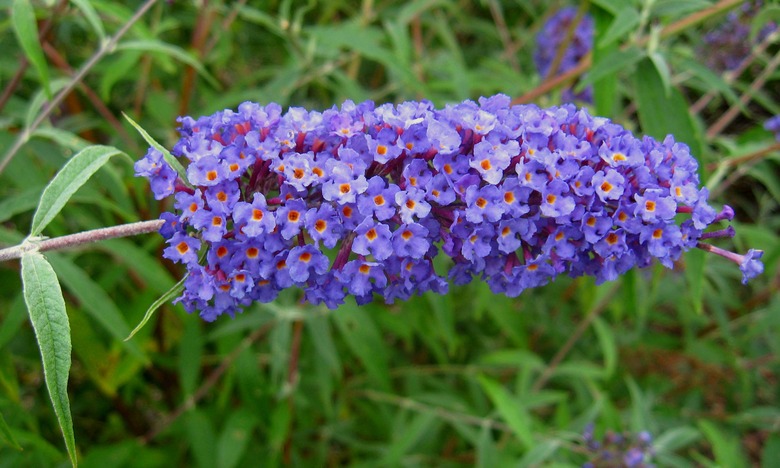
360 200
552 37
729 44
618 450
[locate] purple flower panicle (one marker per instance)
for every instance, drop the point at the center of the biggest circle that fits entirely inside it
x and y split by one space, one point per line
616 450
551 38
360 200
727 46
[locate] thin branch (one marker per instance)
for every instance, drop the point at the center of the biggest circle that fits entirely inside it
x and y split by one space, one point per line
208 383
23 62
564 45
731 76
104 49
724 120
581 328
756 155
93 97
81 238
584 65
443 413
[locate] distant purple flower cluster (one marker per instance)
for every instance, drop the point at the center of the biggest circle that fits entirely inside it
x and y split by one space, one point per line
618 450
729 44
550 40
360 201
773 125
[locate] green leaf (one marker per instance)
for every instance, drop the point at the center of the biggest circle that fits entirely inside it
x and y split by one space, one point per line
190 356
725 446
608 346
695 261
610 64
46 306
201 437
70 178
663 71
155 46
234 439
92 17
675 439
771 452
539 453
169 158
510 410
61 137
365 341
95 301
5 432
625 21
14 204
660 113
172 293
767 15
26 30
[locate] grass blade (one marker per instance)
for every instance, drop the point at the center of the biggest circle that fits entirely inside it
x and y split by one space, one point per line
46 306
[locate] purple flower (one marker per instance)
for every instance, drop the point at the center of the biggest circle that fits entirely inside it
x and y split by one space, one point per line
515 195
323 224
555 199
411 203
654 205
254 219
410 240
750 265
362 278
290 218
223 196
305 260
608 185
161 175
378 199
182 248
372 239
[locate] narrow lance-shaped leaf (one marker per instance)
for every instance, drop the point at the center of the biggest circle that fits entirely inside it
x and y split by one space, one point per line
169 158
46 306
173 292
26 30
5 432
510 410
70 178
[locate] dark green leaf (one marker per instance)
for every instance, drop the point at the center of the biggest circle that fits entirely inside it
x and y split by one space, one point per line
67 181
515 414
95 301
46 306
661 114
7 435
26 30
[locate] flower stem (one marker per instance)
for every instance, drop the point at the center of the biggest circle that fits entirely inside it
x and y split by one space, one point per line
80 238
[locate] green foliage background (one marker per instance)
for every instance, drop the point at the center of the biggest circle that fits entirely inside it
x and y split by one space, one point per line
465 379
